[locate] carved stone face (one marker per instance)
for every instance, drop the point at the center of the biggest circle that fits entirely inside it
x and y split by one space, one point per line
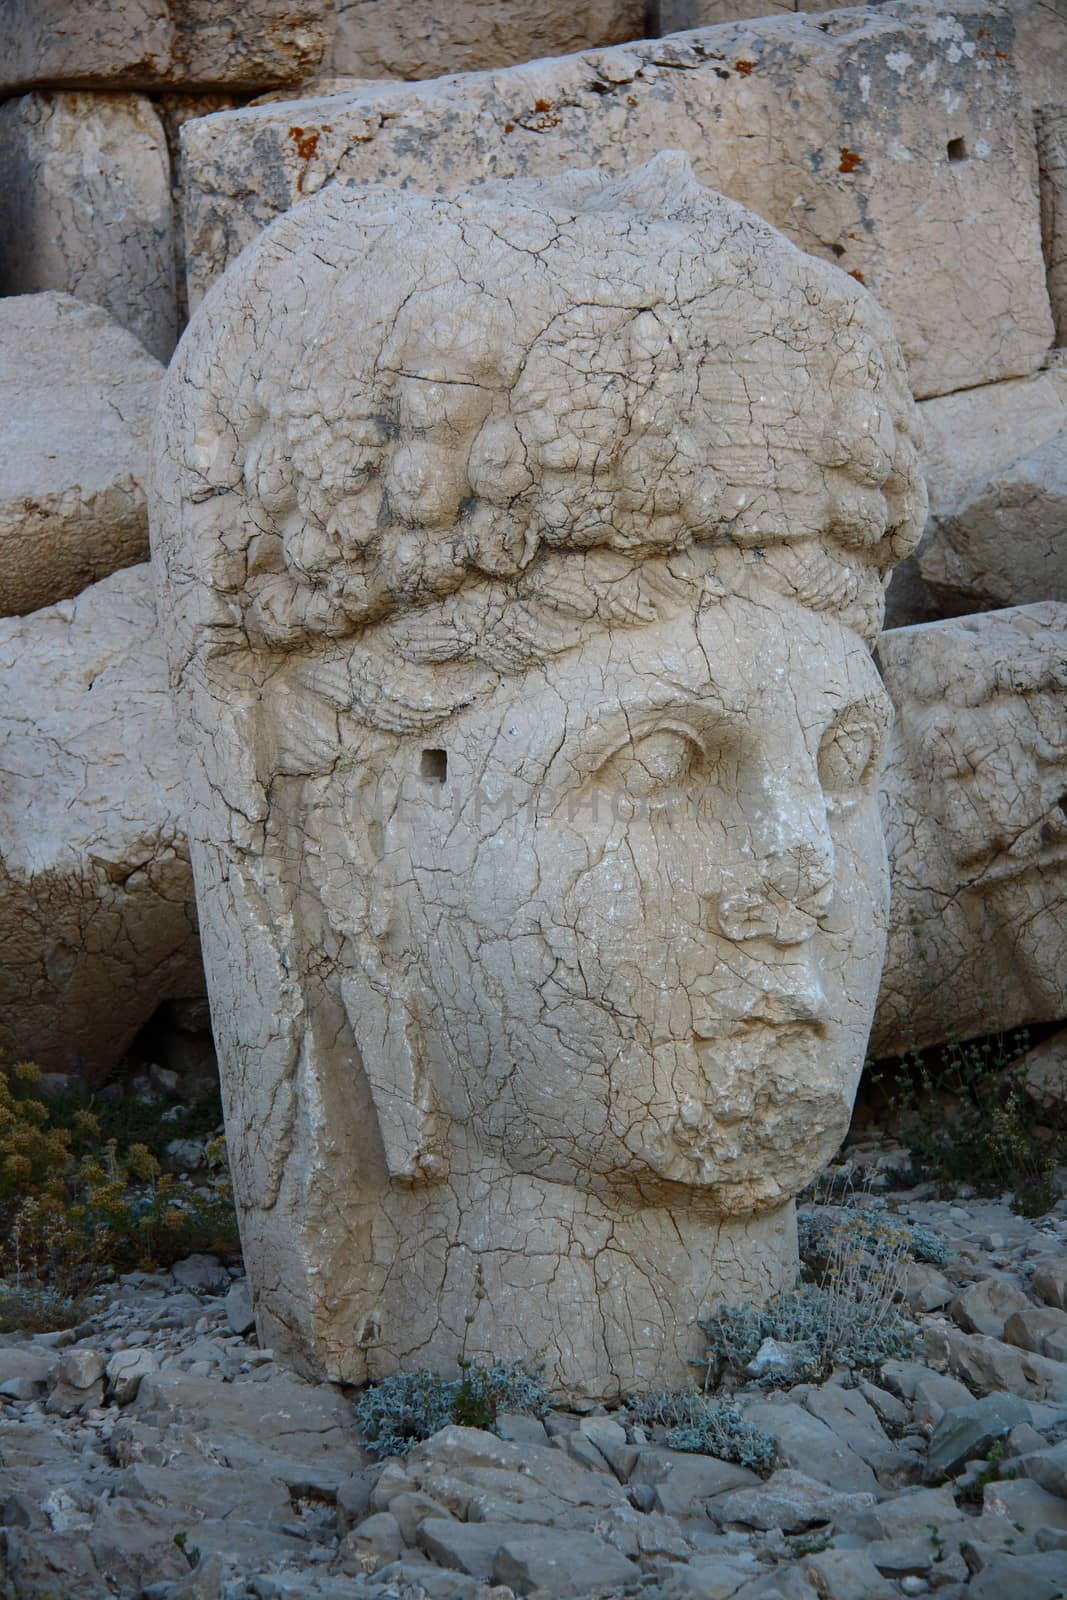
645 890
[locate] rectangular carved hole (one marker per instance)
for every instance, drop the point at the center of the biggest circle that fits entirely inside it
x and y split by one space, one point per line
957 149
434 766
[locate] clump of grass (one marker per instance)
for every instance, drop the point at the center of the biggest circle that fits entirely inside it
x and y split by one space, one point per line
848 1317
986 1133
78 1204
395 1415
694 1422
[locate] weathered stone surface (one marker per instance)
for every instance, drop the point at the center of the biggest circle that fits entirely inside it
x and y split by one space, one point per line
97 920
681 1483
1043 1071
423 39
789 1500
976 827
1046 1467
807 1443
985 1306
1050 1283
77 399
1005 544
147 44
530 555
552 1562
988 1365
87 207
1042 1329
891 141
971 441
968 1431
1052 158
1026 1504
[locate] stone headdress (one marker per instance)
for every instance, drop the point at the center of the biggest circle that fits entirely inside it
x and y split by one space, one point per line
470 429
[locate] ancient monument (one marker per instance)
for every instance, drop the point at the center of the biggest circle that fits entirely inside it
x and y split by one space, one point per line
975 808
521 552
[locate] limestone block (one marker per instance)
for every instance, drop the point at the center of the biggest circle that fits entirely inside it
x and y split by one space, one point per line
967 439
87 207
423 39
147 44
976 824
96 911
1040 29
890 141
1006 543
1052 158
490 528
77 399
1044 1073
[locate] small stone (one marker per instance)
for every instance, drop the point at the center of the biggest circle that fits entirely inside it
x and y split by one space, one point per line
969 1431
1042 1329
373 1543
775 1359
1050 1283
788 1500
463 1546
125 1371
521 1429
1047 1467
80 1368
238 1306
202 1274
1026 1504
682 1482
847 1575
560 1563
986 1306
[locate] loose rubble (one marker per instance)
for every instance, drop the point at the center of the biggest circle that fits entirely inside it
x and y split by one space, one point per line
155 1452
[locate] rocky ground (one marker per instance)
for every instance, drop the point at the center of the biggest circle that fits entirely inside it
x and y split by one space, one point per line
155 1452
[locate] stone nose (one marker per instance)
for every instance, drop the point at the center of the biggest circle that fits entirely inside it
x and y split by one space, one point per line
782 895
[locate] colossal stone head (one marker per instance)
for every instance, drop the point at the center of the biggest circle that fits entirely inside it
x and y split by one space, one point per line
522 550
976 814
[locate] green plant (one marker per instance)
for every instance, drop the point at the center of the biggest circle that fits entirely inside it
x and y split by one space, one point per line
76 1204
873 1229
973 1491
191 1552
694 1422
847 1317
985 1133
407 1407
809 1544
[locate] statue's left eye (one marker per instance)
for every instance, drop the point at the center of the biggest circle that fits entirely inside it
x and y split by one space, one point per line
653 762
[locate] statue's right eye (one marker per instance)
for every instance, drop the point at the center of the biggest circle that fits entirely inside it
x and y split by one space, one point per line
651 765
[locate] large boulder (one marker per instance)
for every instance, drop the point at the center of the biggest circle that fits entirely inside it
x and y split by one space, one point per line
77 398
1007 543
145 44
976 823
87 207
890 141
995 460
1040 30
97 917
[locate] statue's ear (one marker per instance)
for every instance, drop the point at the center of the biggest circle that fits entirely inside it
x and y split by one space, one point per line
384 1014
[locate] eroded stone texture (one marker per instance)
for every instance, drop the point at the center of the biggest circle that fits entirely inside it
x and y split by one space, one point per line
87 207
77 398
1052 152
145 44
422 38
97 923
976 821
993 459
520 552
1007 544
893 142
1040 29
